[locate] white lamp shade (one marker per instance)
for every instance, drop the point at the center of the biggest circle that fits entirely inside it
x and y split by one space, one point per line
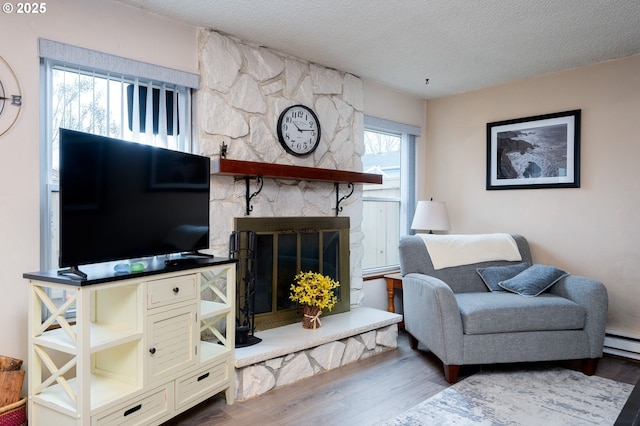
431 216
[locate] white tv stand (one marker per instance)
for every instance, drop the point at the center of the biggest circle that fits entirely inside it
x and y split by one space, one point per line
144 346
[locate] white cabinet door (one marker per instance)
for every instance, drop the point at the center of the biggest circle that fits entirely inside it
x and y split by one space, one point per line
171 346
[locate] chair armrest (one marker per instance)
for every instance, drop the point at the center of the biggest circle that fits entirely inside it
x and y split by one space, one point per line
431 315
592 296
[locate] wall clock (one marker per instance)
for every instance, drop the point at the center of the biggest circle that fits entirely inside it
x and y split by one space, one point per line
298 130
10 97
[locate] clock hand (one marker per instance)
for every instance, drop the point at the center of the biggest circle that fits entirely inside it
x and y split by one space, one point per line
297 127
295 123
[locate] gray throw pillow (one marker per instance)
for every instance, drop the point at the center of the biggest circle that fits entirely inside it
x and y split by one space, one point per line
492 275
534 280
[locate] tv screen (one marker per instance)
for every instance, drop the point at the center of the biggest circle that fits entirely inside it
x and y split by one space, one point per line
124 200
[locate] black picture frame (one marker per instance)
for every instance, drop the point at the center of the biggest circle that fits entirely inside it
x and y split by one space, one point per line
541 151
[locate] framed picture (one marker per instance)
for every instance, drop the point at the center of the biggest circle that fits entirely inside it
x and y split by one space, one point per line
534 152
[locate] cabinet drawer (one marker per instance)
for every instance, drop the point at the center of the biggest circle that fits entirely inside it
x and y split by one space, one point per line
200 385
171 290
149 408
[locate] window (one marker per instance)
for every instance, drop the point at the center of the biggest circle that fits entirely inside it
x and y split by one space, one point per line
104 94
387 208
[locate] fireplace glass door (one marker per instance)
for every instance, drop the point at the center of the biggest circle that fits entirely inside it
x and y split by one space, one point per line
282 253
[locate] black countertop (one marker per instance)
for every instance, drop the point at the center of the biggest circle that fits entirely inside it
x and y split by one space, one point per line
107 272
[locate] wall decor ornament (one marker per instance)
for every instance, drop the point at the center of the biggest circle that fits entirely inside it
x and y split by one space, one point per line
541 151
10 97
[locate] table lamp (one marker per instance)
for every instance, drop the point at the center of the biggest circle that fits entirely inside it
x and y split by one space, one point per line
431 216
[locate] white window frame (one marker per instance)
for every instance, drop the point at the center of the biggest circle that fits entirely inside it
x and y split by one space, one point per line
407 200
53 53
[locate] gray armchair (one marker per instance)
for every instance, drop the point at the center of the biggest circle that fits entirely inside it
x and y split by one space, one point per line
452 313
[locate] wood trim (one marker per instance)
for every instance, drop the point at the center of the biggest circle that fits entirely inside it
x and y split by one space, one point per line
379 275
240 168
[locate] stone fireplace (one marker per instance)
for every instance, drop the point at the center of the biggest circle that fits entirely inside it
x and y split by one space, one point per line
244 88
286 246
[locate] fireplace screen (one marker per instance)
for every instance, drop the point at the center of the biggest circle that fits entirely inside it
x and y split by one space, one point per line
286 246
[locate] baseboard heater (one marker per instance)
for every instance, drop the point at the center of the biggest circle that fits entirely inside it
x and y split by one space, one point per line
622 344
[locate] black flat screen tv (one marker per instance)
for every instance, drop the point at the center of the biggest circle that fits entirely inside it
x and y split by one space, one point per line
125 200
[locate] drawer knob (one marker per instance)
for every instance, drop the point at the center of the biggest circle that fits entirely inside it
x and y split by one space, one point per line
152 351
176 290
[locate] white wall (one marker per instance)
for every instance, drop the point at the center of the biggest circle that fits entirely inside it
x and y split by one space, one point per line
383 102
95 24
592 230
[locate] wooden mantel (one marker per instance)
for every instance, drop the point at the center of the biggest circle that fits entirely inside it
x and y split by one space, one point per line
252 169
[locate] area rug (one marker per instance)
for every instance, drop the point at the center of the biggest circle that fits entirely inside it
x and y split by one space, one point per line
548 396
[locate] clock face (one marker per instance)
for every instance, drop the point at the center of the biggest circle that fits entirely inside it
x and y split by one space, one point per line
298 130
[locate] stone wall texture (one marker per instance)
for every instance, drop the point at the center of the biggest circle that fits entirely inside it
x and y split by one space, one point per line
243 90
259 378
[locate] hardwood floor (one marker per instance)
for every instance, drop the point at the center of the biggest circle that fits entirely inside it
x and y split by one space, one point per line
363 393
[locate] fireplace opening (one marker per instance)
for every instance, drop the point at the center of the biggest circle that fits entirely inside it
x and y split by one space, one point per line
285 246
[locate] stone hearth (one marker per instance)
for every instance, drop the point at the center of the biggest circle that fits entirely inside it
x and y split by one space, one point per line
290 353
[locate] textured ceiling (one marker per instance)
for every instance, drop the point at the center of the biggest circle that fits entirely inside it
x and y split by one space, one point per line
459 45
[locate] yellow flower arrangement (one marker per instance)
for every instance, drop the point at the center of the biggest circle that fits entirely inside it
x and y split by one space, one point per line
314 289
